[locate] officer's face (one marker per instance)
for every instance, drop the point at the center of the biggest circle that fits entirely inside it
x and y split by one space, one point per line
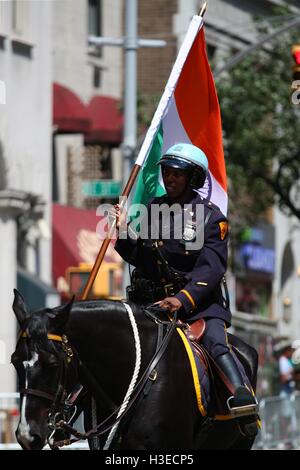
175 181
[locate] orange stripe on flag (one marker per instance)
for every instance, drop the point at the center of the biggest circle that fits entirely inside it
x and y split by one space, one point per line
198 108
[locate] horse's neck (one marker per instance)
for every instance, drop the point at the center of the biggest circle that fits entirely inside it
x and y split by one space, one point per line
104 338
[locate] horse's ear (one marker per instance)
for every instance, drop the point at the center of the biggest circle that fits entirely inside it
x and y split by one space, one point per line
19 308
62 314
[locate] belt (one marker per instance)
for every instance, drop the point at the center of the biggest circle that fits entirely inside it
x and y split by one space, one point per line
150 294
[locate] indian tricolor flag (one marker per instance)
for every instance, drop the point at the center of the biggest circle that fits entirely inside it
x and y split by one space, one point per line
187 112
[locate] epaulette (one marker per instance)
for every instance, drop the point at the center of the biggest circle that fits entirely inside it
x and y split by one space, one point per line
211 205
213 208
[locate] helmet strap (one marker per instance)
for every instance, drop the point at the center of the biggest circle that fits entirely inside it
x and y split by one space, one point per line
198 178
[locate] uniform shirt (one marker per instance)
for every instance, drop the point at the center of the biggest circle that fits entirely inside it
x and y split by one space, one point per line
203 268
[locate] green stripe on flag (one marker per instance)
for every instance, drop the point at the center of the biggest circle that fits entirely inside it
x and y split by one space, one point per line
148 185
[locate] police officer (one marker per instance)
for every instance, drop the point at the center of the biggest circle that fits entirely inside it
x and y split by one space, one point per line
185 276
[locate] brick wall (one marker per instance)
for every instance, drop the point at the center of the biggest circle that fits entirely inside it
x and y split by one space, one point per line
155 64
91 162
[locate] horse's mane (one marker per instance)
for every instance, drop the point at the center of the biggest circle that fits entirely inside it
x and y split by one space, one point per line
106 305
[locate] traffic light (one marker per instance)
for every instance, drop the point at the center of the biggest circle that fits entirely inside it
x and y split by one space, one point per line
296 66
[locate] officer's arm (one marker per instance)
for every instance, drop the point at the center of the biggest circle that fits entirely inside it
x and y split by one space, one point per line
127 246
210 265
129 243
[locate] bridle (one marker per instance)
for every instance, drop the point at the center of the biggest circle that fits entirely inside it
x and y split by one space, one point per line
60 407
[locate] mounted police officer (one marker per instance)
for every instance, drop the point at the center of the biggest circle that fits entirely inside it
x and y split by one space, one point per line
185 272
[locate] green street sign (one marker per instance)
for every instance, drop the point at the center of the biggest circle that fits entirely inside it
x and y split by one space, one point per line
102 188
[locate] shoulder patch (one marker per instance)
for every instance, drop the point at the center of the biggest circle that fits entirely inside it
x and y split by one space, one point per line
223 229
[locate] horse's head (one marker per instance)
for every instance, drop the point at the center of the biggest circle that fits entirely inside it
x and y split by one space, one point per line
46 370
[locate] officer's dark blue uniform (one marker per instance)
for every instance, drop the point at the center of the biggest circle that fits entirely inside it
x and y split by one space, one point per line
202 268
187 276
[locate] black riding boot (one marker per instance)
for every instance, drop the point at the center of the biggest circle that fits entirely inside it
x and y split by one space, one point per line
242 396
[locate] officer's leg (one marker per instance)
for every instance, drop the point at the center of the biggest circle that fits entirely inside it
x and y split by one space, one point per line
216 342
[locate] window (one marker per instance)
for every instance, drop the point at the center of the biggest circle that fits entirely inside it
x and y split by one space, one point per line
17 16
95 27
97 77
94 18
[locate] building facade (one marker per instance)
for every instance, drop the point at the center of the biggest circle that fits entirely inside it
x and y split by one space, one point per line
25 160
87 134
88 87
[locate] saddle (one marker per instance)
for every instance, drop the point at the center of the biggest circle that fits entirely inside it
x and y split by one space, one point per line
221 388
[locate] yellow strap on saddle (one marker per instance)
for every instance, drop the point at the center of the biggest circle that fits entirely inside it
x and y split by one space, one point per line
217 417
194 371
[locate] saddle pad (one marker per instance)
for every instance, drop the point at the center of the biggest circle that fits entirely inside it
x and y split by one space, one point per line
199 373
202 382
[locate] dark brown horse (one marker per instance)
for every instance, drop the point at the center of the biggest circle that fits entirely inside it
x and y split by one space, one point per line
107 347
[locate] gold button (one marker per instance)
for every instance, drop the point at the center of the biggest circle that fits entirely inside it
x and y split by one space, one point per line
160 243
159 262
186 252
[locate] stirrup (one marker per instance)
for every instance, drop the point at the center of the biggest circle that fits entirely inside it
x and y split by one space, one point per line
244 410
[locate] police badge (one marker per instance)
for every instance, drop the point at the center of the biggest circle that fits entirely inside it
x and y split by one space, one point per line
189 232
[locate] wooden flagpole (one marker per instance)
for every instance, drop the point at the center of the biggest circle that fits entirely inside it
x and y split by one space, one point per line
133 175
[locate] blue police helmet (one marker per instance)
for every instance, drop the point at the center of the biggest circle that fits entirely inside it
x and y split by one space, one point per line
187 157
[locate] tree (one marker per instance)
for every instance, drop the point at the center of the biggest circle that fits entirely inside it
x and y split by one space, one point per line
262 132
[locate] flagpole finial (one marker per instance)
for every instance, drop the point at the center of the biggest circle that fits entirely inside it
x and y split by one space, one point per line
203 9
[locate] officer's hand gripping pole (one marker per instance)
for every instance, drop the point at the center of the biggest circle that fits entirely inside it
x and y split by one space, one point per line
133 175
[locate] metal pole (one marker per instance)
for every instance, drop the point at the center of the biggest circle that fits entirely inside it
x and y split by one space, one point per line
240 56
130 46
130 99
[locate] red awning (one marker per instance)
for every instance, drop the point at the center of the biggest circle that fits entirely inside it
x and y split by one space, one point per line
106 120
74 239
69 113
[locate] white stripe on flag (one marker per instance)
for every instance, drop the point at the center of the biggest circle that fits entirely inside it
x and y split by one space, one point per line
195 25
173 132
